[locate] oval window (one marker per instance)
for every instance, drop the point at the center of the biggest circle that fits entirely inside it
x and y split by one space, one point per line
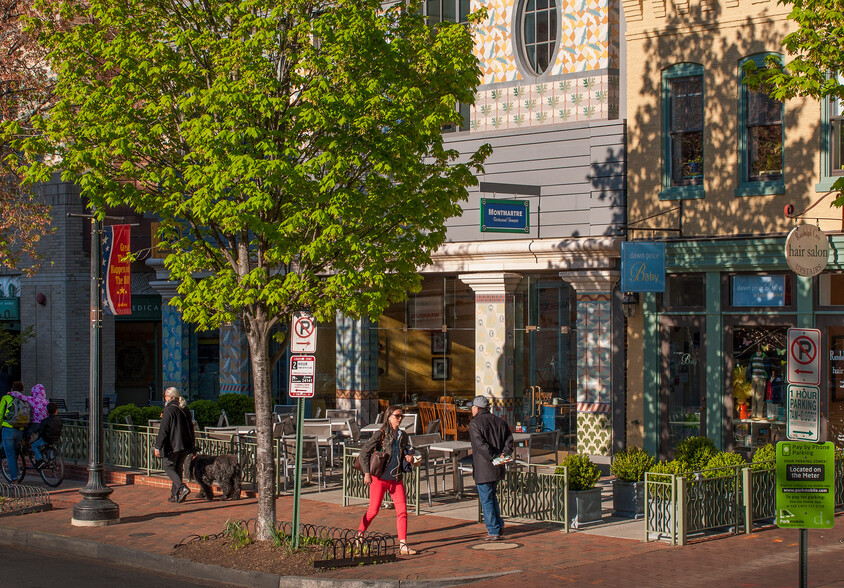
539 33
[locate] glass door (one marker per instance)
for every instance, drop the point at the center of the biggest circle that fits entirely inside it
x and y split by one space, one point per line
683 393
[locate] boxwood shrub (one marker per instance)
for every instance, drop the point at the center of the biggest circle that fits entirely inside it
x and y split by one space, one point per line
631 464
582 473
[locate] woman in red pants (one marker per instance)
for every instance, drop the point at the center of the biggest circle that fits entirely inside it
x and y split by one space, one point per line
395 443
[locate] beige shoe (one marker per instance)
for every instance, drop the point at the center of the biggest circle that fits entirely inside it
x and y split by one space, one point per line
405 550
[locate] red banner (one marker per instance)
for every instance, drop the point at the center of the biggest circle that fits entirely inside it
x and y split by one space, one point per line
118 273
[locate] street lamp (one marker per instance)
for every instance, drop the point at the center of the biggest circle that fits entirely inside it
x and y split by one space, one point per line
95 509
629 304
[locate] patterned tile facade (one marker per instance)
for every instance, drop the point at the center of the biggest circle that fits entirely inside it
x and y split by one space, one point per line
234 360
594 352
593 433
357 366
175 344
591 97
494 343
578 86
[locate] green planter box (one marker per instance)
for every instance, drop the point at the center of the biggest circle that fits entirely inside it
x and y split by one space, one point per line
584 507
628 499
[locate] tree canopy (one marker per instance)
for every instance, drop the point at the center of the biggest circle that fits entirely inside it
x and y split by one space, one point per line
816 58
291 149
25 91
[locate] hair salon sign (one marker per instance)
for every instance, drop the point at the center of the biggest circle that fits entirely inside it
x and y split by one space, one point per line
807 250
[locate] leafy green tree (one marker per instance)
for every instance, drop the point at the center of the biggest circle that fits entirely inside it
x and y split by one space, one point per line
292 150
26 90
816 51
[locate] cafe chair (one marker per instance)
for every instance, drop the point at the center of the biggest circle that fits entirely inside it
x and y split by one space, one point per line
312 459
433 460
447 413
341 413
249 419
433 427
282 409
223 421
408 423
353 430
541 451
427 413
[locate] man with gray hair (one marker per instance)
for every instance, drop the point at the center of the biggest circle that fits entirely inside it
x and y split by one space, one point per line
175 442
491 438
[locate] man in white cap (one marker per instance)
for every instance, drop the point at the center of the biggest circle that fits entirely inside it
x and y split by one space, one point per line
491 437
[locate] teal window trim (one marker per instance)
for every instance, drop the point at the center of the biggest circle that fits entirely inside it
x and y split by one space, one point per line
669 192
747 187
827 178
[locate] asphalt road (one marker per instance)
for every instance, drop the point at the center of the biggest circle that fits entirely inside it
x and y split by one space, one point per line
23 568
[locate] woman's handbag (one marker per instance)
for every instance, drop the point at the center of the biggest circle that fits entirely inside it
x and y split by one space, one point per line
377 462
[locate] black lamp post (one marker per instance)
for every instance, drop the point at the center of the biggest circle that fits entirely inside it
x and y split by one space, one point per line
95 509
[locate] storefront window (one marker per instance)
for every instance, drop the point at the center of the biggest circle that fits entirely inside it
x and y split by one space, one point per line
758 385
545 374
831 290
686 393
685 291
835 342
426 345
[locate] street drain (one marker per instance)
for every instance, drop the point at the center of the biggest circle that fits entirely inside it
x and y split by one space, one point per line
495 546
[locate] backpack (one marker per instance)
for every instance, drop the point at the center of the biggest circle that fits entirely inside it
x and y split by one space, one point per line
18 413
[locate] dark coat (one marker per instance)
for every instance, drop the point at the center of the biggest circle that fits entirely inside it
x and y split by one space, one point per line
176 430
50 429
384 441
491 437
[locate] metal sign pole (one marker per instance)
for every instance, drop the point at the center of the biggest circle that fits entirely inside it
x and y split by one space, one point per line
297 476
804 556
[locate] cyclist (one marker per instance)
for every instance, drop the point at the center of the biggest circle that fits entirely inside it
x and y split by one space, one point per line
49 432
11 434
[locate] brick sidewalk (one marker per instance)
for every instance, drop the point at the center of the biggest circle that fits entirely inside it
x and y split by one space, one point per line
545 556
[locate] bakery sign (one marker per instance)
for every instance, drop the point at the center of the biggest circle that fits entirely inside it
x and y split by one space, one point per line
807 250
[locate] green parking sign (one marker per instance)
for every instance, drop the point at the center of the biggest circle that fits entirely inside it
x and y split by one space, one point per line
805 485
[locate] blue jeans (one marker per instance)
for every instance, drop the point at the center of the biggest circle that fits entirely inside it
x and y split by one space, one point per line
489 504
11 438
36 448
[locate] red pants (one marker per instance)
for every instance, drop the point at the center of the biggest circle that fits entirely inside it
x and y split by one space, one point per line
376 494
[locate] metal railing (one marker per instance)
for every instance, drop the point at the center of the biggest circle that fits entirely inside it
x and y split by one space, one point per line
533 495
733 499
354 487
133 447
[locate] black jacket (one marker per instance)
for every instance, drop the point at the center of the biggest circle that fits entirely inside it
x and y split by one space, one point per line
176 430
50 429
491 437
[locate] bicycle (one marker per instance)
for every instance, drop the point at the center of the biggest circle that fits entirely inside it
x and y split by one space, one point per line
52 472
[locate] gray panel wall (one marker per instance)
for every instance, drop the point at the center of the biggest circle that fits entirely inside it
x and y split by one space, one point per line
579 169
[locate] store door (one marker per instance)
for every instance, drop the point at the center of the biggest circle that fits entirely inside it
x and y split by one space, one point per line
683 393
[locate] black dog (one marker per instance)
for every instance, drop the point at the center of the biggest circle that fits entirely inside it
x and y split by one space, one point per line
223 470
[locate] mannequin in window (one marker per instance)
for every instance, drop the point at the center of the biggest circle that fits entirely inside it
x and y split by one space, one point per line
757 371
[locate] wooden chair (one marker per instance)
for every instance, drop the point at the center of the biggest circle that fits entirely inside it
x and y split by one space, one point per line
447 413
427 413
446 399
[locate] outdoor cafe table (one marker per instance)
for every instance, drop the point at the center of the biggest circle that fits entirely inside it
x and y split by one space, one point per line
455 449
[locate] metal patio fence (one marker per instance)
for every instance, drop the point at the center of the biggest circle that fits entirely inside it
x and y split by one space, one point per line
732 499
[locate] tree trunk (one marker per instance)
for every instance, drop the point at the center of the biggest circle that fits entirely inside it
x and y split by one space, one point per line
257 334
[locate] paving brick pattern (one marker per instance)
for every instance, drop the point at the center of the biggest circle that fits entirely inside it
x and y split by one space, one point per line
546 556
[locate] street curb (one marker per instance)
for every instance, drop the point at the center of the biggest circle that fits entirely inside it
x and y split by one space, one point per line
167 564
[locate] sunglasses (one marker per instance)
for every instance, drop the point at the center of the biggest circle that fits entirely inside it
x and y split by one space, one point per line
398 416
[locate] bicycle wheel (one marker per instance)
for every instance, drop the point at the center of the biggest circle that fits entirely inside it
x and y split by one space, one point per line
4 467
53 471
